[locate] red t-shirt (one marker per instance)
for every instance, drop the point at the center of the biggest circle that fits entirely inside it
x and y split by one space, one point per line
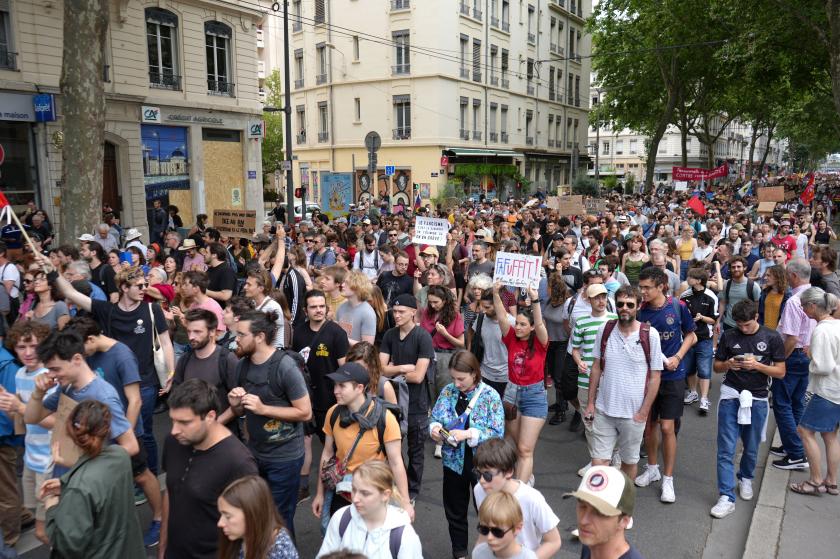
788 244
455 329
523 368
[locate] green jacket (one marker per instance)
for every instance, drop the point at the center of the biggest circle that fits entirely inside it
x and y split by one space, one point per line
95 517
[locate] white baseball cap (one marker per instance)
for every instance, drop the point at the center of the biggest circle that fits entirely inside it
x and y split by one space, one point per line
607 489
87 237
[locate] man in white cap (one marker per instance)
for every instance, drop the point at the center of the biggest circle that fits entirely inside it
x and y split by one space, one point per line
605 501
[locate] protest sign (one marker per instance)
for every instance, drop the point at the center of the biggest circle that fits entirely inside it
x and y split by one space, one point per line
771 194
595 206
70 453
566 205
766 207
517 270
242 223
697 174
680 186
430 231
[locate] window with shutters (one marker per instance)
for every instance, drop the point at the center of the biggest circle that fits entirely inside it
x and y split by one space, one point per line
402 117
491 122
320 11
402 52
529 76
529 119
532 36
297 22
551 83
355 48
465 45
323 122
357 104
505 15
7 57
298 68
462 119
634 147
321 59
300 112
504 70
162 48
503 123
476 133
476 60
494 61
217 38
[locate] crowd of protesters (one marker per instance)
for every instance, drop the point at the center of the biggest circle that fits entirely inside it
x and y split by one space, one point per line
344 329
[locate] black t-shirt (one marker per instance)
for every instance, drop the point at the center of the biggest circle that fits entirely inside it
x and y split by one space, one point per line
214 370
134 329
294 288
631 553
322 350
767 347
392 286
109 280
416 345
701 302
221 277
194 481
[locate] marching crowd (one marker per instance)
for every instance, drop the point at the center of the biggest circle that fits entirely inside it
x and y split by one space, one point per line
346 330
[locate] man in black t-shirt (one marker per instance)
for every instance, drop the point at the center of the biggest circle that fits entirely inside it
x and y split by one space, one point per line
406 354
200 458
396 282
222 279
749 356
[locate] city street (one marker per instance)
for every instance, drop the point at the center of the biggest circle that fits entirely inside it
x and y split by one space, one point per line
681 530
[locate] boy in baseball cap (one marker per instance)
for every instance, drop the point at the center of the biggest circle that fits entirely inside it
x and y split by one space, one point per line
605 501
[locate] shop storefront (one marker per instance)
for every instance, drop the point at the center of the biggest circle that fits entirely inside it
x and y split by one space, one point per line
18 158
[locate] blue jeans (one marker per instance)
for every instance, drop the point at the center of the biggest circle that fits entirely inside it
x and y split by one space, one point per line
727 441
789 402
699 358
284 480
148 401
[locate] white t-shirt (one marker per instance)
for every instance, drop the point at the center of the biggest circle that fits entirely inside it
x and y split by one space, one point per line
537 516
10 272
483 551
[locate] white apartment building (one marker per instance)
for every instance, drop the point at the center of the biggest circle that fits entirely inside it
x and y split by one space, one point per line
452 87
183 112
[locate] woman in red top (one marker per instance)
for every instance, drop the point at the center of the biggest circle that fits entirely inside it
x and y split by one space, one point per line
526 403
441 319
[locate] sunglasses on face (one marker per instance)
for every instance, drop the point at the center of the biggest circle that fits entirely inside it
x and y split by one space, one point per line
625 304
498 533
486 475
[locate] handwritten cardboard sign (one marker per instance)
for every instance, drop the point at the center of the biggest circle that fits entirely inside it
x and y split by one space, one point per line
241 223
70 453
766 207
595 206
430 231
517 270
771 194
566 205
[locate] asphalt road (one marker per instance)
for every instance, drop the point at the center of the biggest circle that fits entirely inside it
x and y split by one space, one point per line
680 530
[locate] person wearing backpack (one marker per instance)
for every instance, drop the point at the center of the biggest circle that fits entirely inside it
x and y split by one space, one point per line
623 382
273 396
372 526
736 289
358 429
467 413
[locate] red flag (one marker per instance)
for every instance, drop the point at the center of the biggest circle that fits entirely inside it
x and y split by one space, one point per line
808 194
696 205
3 200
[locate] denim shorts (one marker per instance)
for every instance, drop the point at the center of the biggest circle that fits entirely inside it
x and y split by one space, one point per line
530 400
820 415
698 359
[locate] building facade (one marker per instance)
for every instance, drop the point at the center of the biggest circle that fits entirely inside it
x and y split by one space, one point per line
472 91
183 119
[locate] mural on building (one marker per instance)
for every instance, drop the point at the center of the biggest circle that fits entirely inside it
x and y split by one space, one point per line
165 160
336 193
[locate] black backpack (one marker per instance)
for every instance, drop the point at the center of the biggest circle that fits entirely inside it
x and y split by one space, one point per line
181 365
380 424
280 354
750 287
394 537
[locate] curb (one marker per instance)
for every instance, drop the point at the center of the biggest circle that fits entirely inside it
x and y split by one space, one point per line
766 524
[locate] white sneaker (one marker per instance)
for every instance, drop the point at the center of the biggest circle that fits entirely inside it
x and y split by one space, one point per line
723 508
575 533
667 495
745 489
691 397
582 472
704 406
616 460
647 477
438 451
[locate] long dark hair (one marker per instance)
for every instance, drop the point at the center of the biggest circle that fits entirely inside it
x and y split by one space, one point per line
262 521
529 315
448 312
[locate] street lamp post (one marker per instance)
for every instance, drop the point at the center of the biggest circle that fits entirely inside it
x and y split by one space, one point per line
287 114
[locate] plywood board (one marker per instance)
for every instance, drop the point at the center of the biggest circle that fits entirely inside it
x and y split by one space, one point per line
766 207
771 194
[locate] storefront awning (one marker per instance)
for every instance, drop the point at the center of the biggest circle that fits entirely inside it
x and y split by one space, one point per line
482 152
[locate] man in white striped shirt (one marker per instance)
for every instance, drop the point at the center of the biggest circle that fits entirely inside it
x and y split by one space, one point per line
621 394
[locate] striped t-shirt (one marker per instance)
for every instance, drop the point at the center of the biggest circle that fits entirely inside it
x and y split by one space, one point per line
583 337
38 455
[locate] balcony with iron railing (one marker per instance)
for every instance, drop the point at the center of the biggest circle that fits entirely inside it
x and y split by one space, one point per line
165 81
320 79
8 60
323 136
506 26
400 5
465 134
494 80
220 87
551 143
301 138
494 136
494 22
299 83
574 57
465 8
551 95
529 140
505 83
465 73
568 145
570 100
530 89
476 75
476 134
477 14
297 26
504 137
403 133
400 69
577 101
532 38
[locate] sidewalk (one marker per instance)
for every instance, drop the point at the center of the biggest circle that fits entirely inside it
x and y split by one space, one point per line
786 525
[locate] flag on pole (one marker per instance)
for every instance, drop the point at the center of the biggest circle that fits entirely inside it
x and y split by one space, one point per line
745 190
695 204
808 194
4 202
417 202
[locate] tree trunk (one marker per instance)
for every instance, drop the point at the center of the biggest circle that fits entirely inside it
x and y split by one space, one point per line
755 128
770 129
661 127
83 107
684 141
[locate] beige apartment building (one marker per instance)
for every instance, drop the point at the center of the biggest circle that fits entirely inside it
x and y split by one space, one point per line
477 90
183 112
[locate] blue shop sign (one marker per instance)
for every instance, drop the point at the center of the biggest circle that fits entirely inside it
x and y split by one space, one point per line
44 104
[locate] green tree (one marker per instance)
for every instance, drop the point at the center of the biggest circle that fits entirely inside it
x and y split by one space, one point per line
272 146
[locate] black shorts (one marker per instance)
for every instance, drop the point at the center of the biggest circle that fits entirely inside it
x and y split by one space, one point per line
668 403
140 461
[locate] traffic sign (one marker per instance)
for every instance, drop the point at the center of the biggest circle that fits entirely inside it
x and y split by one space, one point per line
389 170
444 161
373 142
286 165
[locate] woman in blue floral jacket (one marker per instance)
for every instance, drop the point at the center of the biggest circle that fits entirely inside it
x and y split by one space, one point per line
467 413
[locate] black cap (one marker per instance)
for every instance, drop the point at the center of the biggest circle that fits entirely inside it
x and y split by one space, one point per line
350 372
405 300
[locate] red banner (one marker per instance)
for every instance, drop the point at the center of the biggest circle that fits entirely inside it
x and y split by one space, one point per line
697 174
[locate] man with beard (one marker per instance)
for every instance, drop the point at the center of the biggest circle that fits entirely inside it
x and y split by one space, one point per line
396 282
200 458
623 382
207 361
273 396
